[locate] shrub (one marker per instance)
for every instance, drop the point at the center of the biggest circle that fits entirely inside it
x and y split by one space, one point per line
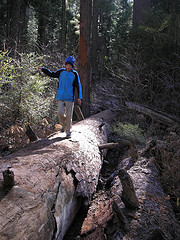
130 131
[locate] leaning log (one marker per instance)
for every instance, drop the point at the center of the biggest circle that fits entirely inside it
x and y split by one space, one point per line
160 116
52 176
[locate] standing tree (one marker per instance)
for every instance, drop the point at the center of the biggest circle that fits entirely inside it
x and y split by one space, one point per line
41 30
63 27
23 24
14 8
84 53
140 11
95 38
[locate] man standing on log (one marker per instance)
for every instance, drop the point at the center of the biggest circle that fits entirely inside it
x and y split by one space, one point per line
68 81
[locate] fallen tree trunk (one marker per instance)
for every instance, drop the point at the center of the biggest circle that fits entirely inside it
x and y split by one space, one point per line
162 117
134 205
52 176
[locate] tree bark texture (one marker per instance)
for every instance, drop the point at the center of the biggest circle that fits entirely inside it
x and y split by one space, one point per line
51 177
84 53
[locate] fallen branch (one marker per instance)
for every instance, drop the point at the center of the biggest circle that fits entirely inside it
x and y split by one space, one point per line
107 145
162 117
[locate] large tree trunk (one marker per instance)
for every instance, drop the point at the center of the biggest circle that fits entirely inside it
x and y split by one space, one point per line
13 24
84 53
51 177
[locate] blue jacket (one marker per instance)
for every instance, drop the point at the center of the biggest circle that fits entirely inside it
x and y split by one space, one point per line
68 81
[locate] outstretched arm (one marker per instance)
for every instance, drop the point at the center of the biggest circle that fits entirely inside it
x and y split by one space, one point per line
55 74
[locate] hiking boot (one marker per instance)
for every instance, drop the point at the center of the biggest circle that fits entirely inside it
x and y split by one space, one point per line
68 135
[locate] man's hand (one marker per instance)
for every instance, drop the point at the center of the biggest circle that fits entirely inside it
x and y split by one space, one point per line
79 101
39 68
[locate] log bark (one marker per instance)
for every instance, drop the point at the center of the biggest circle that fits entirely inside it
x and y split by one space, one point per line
122 218
128 195
52 176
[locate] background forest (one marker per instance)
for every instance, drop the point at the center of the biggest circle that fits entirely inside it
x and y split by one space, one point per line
124 51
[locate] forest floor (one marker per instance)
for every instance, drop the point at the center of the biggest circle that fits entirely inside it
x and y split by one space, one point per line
154 173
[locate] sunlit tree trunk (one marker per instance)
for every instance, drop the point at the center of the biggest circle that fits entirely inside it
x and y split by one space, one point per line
84 53
140 11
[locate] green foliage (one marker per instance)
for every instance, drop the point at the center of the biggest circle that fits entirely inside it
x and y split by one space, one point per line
115 28
32 31
24 94
130 131
73 25
6 67
146 65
